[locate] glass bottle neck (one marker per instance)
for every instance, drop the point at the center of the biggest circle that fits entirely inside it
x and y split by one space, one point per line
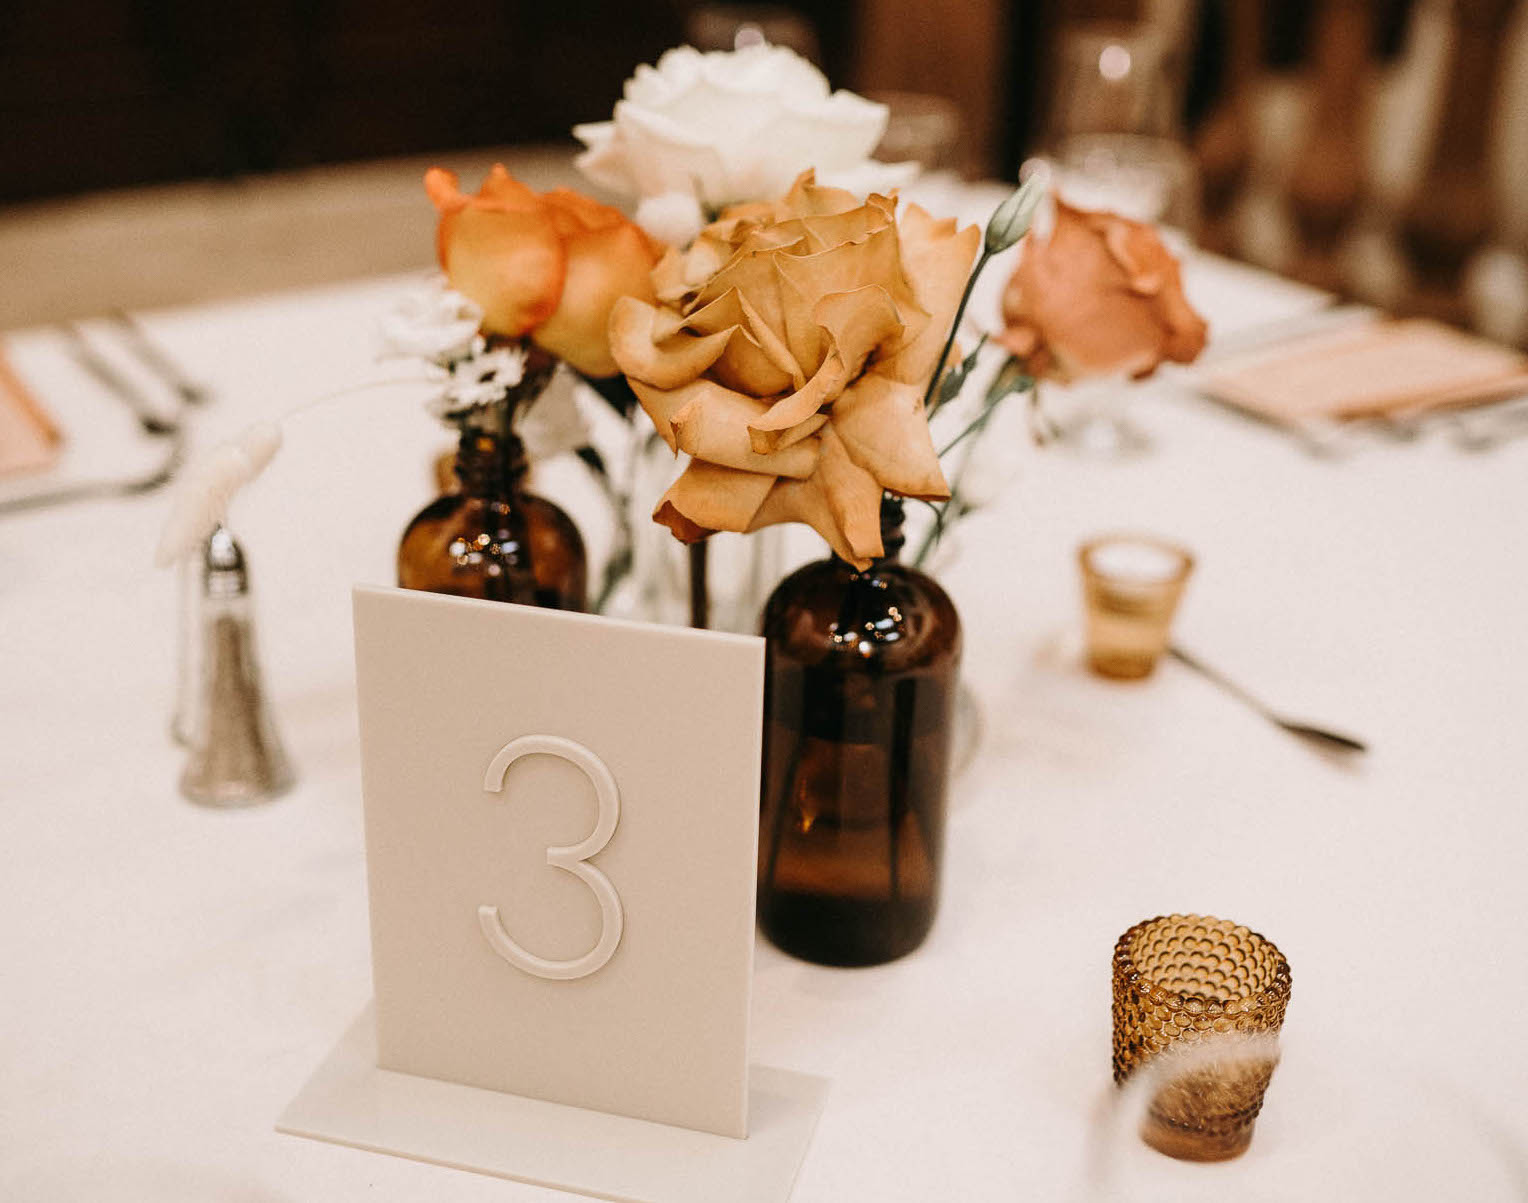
490 459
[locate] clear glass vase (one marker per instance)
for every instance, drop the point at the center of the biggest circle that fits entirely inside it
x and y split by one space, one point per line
740 569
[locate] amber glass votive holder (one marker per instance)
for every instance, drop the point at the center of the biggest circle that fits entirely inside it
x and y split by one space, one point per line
1201 1000
1131 585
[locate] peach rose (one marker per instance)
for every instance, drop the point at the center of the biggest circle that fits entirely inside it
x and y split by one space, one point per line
1101 296
548 266
787 354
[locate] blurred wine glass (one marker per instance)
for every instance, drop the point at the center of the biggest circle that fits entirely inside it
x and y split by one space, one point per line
1114 79
1114 141
1146 179
1114 138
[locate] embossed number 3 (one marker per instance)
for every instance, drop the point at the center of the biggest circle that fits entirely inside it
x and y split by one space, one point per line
571 858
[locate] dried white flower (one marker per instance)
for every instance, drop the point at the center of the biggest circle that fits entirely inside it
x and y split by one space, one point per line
207 486
433 323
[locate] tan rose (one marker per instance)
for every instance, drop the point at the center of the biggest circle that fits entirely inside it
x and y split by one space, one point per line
548 266
1101 296
787 355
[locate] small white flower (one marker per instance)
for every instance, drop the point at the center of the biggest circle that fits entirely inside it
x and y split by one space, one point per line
480 378
433 323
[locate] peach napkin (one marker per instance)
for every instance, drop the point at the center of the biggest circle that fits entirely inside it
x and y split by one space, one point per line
1383 368
29 442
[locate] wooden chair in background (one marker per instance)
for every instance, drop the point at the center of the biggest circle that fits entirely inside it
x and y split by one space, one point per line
1291 163
1452 213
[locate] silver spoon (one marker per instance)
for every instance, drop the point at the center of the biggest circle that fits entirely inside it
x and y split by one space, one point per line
1333 741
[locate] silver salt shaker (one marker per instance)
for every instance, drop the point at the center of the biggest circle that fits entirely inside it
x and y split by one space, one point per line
236 757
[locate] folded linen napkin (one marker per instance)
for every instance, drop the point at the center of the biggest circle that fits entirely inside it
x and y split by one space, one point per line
29 441
1382 368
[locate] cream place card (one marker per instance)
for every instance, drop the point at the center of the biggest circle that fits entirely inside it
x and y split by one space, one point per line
561 839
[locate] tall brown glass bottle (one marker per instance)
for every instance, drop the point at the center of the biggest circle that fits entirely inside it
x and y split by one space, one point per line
860 680
492 539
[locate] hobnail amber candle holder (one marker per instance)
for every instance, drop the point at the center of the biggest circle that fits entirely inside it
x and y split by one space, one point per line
1210 995
1131 585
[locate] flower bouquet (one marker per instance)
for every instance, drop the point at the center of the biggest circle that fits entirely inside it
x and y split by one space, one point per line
788 345
694 134
792 352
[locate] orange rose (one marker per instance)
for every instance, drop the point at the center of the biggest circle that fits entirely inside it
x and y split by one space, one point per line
1101 296
549 266
787 355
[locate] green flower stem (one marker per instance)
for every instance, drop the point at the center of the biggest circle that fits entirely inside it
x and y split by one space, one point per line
1011 378
936 532
1009 222
960 312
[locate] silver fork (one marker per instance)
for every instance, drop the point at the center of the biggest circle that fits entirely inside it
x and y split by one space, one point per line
115 383
149 419
96 489
152 356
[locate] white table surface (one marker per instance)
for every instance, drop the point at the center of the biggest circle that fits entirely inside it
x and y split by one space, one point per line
169 976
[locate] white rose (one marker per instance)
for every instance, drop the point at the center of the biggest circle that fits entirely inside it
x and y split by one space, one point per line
732 126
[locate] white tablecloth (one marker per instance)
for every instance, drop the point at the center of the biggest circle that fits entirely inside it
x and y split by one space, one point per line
169 976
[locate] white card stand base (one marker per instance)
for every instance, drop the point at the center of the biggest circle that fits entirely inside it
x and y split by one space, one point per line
350 1101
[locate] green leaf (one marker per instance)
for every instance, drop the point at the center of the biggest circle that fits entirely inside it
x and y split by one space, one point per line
1011 378
955 379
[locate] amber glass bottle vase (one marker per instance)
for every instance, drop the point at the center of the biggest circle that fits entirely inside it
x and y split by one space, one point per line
492 539
860 681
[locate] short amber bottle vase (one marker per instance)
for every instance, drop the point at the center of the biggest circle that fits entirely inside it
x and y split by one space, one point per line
860 682
492 539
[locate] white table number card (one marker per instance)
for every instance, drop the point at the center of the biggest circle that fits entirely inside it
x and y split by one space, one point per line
561 834
561 842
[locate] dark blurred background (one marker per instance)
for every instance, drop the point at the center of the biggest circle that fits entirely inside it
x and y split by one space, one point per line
109 93
1374 148
106 93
